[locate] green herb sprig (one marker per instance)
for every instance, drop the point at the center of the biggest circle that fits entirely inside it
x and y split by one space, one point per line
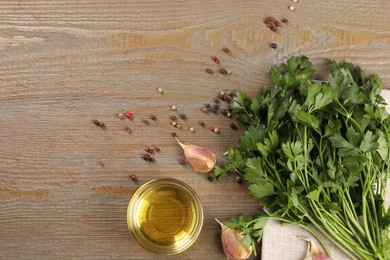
316 153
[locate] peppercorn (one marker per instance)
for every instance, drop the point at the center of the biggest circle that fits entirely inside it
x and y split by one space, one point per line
157 149
152 159
173 134
291 7
284 20
301 67
133 177
209 71
204 109
226 50
238 179
173 107
201 123
216 130
229 115
160 90
173 118
227 98
174 123
277 24
191 129
183 116
182 162
121 116
129 115
153 117
223 71
273 45
145 121
128 130
213 110
216 100
146 157
224 111
151 150
233 126
215 59
215 106
275 29
210 178
207 105
179 126
96 122
221 93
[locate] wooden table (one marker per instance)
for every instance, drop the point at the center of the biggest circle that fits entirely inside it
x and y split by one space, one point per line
64 182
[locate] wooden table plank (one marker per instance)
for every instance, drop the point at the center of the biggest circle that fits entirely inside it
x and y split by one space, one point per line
64 183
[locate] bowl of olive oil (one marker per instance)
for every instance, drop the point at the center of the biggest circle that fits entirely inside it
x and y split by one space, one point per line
165 216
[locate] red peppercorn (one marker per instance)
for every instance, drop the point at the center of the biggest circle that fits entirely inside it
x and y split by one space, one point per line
157 149
277 24
147 149
215 59
129 115
212 128
270 18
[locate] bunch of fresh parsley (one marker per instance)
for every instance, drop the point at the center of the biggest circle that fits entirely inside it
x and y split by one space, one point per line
316 153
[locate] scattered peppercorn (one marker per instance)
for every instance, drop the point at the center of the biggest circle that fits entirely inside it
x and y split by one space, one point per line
301 67
291 7
133 177
173 134
213 110
152 159
201 123
216 130
229 115
223 71
207 105
121 116
233 126
182 162
128 129
224 111
204 109
174 123
173 107
157 149
273 45
145 121
179 126
129 115
183 116
215 106
226 50
191 129
238 179
284 20
216 100
146 157
151 150
277 24
212 128
173 118
275 29
160 90
147 148
209 71
98 123
215 59
210 178
153 117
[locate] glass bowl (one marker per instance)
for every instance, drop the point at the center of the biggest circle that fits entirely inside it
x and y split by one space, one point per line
165 216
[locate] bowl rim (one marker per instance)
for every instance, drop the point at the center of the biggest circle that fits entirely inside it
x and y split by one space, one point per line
149 245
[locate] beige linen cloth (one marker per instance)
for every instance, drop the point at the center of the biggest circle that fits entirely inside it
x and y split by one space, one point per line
280 242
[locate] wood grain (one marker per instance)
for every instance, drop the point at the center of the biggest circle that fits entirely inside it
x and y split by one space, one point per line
64 183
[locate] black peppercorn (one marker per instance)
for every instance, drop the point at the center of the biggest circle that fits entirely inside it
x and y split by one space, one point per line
273 45
183 116
209 71
216 107
233 126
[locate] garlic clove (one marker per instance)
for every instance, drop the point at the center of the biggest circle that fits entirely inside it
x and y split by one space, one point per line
313 252
232 246
201 160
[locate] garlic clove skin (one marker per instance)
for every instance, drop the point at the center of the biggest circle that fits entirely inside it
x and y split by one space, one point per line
313 252
232 246
201 160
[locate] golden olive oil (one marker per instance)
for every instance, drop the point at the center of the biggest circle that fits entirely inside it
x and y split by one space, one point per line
167 216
